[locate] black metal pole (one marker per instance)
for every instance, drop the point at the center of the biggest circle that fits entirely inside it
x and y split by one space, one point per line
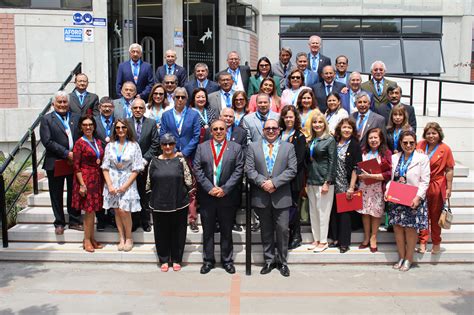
425 93
248 231
34 162
440 95
3 210
411 91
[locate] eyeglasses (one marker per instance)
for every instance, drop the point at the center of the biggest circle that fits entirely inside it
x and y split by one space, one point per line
271 128
158 93
240 99
262 65
87 125
121 128
169 82
218 129
180 97
138 107
168 144
408 142
341 63
295 78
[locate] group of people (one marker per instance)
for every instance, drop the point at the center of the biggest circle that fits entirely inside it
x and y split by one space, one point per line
179 146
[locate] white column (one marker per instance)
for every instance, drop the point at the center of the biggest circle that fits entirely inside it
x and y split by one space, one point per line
172 21
222 40
465 49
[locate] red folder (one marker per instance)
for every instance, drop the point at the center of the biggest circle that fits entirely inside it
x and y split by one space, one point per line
371 166
345 205
401 194
62 168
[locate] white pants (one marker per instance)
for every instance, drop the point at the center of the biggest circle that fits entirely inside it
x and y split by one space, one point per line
320 206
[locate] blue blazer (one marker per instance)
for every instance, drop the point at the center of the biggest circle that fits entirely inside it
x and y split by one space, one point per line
179 72
145 78
192 84
188 140
346 102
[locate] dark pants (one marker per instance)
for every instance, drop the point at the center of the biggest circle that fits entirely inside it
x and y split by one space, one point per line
274 222
56 191
340 226
170 234
295 217
225 216
142 218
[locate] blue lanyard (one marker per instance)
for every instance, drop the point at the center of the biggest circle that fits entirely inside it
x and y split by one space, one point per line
126 108
235 75
270 160
136 69
396 136
229 133
107 127
311 147
94 147
315 62
158 114
262 119
168 71
287 138
304 117
405 163
119 156
202 84
238 117
203 117
341 146
432 152
360 124
329 116
371 154
81 99
295 95
179 123
64 123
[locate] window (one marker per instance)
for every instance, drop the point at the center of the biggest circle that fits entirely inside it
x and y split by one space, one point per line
389 51
85 5
421 26
241 15
423 56
347 47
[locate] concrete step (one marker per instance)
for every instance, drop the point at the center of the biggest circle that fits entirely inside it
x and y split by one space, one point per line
45 215
145 253
461 170
45 233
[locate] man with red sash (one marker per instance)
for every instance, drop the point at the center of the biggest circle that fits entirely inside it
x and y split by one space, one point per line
218 167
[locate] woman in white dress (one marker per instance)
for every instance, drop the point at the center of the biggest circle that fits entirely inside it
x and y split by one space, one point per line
122 163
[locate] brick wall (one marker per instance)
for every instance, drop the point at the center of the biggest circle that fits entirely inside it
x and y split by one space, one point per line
253 51
8 83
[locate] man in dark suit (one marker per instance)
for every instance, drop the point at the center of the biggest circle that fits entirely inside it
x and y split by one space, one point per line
316 60
104 122
378 85
348 99
223 97
283 66
137 71
201 73
310 77
81 101
144 130
270 166
322 89
170 67
58 132
240 73
366 119
342 75
123 105
218 167
395 96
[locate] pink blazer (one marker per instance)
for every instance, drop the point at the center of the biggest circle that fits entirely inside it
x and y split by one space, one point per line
418 173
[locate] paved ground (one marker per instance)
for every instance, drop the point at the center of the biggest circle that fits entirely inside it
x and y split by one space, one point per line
126 289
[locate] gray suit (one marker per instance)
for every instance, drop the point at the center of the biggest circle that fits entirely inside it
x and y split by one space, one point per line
254 126
119 110
273 209
215 101
277 69
213 208
374 121
90 105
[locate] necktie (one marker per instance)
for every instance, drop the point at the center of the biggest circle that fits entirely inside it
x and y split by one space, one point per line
139 128
201 84
379 91
227 99
314 66
361 124
328 89
169 70
81 99
218 167
285 67
107 121
270 149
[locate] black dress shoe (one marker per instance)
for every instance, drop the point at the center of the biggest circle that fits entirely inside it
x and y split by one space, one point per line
206 267
284 271
343 249
237 228
100 227
334 245
194 227
147 228
295 243
229 268
267 268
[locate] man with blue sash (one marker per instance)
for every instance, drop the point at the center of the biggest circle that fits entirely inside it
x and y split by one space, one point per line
58 132
81 101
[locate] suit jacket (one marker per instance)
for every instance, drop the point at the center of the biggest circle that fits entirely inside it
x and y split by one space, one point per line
188 139
119 110
370 87
100 130
238 135
215 101
319 90
54 138
277 69
253 126
418 173
244 74
149 140
346 102
179 72
230 178
374 121
145 78
323 61
90 105
284 170
386 109
192 84
254 85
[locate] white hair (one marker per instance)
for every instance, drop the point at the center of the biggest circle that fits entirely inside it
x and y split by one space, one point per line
376 62
135 45
60 93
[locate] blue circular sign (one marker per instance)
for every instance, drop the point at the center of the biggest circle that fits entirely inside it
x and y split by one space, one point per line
87 17
77 17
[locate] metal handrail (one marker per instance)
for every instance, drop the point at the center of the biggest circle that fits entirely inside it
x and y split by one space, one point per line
29 134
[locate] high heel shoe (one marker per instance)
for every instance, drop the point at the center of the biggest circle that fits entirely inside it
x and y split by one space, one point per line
87 246
96 244
128 245
362 245
398 264
406 265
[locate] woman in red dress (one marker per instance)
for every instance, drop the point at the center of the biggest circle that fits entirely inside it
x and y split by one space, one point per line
88 181
441 182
